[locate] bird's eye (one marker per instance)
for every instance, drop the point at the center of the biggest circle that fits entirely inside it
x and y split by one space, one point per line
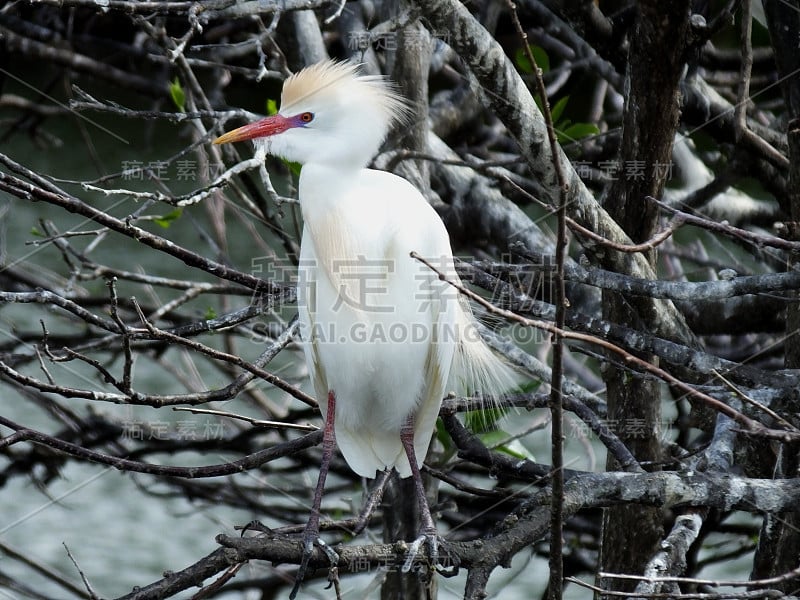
307 117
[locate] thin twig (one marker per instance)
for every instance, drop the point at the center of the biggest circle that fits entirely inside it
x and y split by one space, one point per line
92 593
745 398
555 587
251 461
251 420
729 230
43 570
226 357
646 246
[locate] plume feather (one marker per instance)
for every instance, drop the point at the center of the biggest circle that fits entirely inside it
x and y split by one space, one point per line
332 77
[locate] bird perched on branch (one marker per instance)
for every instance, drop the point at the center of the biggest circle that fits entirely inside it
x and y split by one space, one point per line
383 335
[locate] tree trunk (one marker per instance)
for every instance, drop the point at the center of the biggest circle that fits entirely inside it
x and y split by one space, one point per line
631 534
779 542
401 519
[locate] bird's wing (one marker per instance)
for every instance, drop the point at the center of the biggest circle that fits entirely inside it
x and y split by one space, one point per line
306 299
436 365
476 368
366 450
336 254
441 301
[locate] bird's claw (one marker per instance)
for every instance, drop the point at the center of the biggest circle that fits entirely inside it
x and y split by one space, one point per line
333 556
311 539
432 541
254 525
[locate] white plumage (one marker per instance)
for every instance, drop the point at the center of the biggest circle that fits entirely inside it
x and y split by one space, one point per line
382 334
380 330
378 326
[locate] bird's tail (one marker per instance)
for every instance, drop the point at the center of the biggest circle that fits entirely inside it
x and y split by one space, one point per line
477 370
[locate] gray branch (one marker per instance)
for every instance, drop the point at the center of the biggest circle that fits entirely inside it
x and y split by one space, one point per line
510 99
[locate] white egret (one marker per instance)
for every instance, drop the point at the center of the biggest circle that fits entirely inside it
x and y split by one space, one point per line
382 334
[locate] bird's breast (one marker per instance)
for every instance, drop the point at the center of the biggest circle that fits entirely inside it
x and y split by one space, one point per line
372 317
369 321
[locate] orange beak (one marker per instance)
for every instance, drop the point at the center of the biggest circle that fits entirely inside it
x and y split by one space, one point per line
257 129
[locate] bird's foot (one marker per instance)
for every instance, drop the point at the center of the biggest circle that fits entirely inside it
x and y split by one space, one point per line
432 540
254 525
310 539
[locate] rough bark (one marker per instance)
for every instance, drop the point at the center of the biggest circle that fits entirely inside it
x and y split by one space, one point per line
631 534
779 543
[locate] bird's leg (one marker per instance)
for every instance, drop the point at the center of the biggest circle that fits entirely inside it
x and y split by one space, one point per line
311 532
428 531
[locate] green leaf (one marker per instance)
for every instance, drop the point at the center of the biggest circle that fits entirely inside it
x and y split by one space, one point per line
35 231
560 129
178 95
293 167
482 421
539 55
272 107
578 131
493 438
541 58
500 440
443 436
210 313
166 220
558 108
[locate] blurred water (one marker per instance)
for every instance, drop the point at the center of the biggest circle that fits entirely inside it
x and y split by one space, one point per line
117 543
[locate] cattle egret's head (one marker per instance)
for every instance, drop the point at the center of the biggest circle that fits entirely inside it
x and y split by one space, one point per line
329 115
